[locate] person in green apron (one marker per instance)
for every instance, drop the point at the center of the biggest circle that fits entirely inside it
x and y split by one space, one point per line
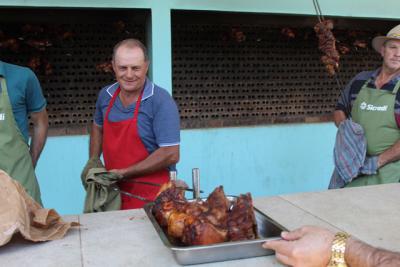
20 96
374 100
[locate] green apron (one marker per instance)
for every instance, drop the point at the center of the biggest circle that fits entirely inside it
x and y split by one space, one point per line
374 110
15 158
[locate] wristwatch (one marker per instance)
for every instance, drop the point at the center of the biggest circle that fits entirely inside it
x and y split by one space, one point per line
338 249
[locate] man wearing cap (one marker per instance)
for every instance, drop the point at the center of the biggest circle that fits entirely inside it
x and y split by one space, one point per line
20 96
374 100
136 126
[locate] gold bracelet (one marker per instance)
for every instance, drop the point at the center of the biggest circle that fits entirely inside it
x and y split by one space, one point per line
338 249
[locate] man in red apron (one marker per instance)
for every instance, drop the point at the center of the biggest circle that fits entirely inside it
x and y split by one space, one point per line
21 95
136 126
374 100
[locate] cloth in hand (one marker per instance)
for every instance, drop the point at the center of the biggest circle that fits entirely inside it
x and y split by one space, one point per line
350 155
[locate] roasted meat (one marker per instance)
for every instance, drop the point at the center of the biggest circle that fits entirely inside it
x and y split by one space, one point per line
327 45
177 218
218 206
204 222
200 231
176 223
169 199
241 221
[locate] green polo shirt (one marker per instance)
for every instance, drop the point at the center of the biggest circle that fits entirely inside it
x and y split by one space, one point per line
24 92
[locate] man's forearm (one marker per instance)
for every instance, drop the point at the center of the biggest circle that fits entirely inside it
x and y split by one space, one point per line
38 141
39 136
96 139
359 254
158 160
389 155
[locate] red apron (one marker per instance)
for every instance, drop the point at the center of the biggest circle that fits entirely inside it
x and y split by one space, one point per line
123 147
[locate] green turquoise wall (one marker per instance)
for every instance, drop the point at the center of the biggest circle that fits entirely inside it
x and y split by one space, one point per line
264 160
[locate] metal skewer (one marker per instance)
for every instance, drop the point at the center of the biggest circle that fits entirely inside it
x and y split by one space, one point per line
172 176
132 195
155 184
196 183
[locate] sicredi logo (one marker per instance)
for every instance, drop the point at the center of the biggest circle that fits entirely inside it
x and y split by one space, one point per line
2 116
371 107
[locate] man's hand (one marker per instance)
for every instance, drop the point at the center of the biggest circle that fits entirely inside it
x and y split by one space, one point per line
338 117
158 160
121 172
389 155
308 246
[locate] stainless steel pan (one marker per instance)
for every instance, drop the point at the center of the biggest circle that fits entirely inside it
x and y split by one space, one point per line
268 229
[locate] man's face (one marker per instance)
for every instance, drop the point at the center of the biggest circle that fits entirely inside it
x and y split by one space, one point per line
130 68
390 52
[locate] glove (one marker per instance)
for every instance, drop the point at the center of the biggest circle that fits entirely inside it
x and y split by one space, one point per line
93 162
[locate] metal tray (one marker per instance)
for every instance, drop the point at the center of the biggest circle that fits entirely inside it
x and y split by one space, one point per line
268 229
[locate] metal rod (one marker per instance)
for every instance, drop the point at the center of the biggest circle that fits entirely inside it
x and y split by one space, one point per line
172 175
196 183
345 101
132 195
317 11
158 185
143 182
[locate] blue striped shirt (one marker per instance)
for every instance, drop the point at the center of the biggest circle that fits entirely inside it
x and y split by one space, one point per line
354 86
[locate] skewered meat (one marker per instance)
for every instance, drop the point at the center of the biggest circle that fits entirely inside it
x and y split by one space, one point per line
34 63
67 35
37 64
39 44
360 44
32 29
204 222
47 67
105 67
238 35
288 32
11 44
241 221
343 49
327 44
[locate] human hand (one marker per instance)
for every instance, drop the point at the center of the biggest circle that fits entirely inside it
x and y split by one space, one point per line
121 172
307 246
380 161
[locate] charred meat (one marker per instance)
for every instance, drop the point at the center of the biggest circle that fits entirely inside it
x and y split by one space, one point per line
327 45
207 222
